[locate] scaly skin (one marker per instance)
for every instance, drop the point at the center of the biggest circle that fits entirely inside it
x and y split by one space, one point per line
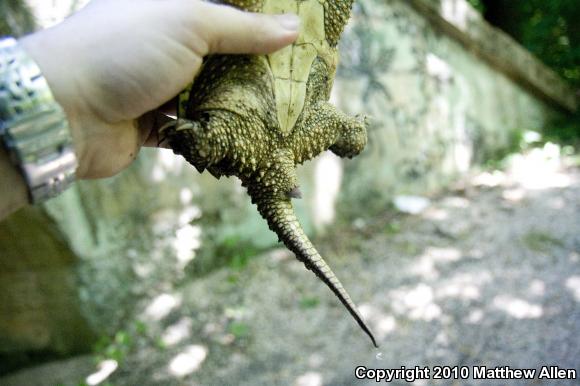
258 117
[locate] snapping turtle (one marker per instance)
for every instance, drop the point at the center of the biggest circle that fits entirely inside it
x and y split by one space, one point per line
258 116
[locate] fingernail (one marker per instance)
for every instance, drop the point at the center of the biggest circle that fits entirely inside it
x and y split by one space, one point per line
289 21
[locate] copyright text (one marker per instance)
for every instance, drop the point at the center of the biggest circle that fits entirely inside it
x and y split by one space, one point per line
412 374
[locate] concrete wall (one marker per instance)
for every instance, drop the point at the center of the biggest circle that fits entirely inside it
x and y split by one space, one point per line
439 100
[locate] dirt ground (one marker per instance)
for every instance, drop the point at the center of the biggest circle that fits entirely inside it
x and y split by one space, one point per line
488 275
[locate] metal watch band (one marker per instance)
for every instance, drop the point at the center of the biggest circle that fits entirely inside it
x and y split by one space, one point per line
33 126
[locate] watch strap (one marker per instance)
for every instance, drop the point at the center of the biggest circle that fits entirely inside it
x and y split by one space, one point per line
33 126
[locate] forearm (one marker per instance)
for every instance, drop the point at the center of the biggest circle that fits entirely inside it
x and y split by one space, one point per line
13 194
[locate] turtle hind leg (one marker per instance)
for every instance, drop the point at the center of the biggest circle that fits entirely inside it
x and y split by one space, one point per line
201 142
328 128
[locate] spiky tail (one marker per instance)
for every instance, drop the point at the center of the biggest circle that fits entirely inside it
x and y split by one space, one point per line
282 220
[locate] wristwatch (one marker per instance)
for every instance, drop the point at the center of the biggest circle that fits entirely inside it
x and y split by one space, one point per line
33 126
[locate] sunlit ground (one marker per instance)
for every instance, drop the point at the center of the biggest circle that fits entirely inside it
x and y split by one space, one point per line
483 275
487 274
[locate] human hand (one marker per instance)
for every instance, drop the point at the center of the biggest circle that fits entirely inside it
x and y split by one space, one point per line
116 60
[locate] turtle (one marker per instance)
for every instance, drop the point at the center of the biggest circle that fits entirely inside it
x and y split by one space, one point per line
258 117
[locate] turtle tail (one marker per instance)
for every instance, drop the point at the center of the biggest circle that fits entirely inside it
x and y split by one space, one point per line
281 219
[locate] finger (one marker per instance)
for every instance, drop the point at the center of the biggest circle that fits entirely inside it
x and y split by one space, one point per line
231 31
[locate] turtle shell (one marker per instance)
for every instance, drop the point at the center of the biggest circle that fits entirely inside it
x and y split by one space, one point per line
291 65
322 23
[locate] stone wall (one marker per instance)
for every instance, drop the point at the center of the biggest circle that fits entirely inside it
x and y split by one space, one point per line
39 307
445 90
439 95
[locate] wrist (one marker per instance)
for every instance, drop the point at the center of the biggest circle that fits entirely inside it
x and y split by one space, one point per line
45 49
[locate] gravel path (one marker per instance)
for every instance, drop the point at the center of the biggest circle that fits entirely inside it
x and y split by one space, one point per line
488 275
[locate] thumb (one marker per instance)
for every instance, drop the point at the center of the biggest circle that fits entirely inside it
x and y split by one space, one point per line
227 30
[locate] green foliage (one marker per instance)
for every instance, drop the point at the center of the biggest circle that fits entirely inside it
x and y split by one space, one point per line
86 384
231 251
121 344
78 384
392 228
115 348
407 247
540 241
491 154
564 130
239 329
241 253
309 302
477 4
550 29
